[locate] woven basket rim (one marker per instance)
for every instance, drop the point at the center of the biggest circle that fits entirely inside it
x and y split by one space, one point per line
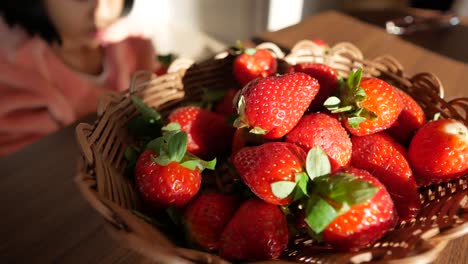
136 234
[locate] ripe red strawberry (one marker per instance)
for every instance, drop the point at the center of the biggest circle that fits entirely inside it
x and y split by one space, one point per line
386 160
164 61
165 174
370 105
326 77
225 106
161 71
322 130
161 186
208 133
411 118
272 106
252 64
439 151
206 216
364 222
320 42
260 166
258 231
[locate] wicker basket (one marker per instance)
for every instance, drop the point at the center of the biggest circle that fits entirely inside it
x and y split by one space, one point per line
100 177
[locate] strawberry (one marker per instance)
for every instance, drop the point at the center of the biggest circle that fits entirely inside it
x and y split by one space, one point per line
261 166
258 231
326 77
165 174
369 105
208 133
322 130
164 61
364 222
252 64
348 209
411 118
206 216
225 106
386 160
272 106
162 186
439 151
320 42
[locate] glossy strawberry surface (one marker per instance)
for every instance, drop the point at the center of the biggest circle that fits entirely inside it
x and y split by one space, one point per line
260 166
248 67
386 160
206 216
384 101
326 77
322 130
209 135
258 231
275 104
410 119
162 186
439 151
364 223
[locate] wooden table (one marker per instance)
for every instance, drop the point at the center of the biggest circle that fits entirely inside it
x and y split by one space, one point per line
45 220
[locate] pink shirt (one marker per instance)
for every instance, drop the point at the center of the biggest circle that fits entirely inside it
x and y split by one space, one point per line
40 94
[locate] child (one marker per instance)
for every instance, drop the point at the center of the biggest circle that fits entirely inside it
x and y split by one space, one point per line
56 58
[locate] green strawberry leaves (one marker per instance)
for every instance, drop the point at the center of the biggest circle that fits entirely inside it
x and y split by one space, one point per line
333 196
241 121
144 127
345 188
146 111
319 214
191 161
302 181
283 189
250 51
177 146
354 79
324 197
172 147
317 163
166 59
349 101
239 48
148 124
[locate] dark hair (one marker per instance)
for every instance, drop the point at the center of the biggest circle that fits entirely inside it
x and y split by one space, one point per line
32 17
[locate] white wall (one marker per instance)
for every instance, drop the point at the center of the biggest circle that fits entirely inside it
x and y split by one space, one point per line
198 27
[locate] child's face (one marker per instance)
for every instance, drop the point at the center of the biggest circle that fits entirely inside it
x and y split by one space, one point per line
78 21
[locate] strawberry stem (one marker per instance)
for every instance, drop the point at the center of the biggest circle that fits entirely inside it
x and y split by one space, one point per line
172 147
351 98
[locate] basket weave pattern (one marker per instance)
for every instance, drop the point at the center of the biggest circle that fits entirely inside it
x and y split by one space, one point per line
100 176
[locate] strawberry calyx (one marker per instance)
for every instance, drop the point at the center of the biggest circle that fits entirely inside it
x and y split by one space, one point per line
172 147
324 197
147 112
166 59
350 100
241 120
239 49
333 196
317 164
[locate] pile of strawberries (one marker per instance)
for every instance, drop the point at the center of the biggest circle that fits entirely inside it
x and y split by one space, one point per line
301 152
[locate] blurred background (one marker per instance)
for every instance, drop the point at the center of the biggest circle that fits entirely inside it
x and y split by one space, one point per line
199 28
